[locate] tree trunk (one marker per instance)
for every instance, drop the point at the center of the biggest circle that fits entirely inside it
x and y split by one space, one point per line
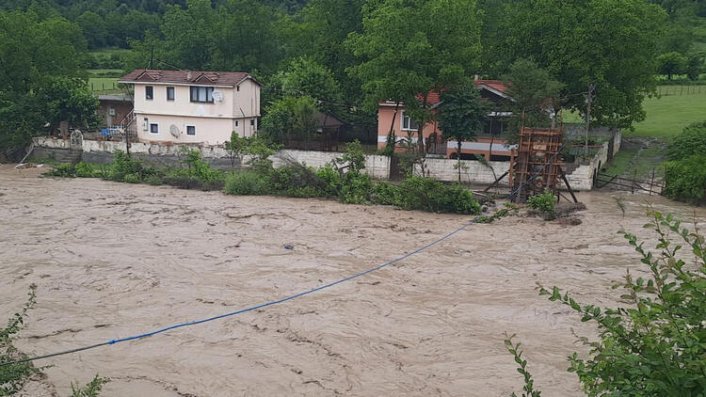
421 150
458 159
391 134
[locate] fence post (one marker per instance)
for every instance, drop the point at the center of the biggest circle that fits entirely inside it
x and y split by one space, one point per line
652 181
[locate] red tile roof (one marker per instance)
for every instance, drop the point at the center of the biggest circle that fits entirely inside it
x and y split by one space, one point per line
496 85
185 77
434 97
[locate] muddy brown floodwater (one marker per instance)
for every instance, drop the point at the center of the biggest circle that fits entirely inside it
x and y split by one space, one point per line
112 260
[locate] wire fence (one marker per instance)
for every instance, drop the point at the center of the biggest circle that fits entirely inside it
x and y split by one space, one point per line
666 90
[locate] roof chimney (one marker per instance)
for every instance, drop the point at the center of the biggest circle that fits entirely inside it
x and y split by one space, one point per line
476 78
188 75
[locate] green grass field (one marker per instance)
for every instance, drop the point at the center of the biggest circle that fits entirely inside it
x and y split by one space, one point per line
107 52
104 85
667 115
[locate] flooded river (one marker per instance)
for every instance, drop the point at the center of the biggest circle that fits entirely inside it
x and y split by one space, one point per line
112 260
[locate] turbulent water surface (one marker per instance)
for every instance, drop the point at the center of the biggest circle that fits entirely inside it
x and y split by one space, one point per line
112 260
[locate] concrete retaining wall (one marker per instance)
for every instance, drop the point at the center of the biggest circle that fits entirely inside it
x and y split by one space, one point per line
172 155
583 176
375 166
471 171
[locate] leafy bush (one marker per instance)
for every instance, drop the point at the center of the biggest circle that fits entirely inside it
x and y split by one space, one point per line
685 174
384 193
246 183
685 179
353 158
690 142
296 180
123 165
431 195
655 345
14 376
356 188
200 169
154 180
331 180
515 349
87 170
63 171
91 389
544 203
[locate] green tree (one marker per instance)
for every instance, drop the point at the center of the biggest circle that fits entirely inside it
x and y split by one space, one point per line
290 119
685 173
321 35
34 53
612 44
410 48
69 99
94 30
535 94
691 141
305 77
462 114
672 63
694 66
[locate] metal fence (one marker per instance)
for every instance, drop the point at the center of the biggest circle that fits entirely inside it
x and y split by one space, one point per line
667 90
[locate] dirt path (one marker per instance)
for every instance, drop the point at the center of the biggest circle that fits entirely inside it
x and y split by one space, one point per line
111 260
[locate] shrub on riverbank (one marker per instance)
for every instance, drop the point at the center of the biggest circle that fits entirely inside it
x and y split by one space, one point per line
342 181
685 174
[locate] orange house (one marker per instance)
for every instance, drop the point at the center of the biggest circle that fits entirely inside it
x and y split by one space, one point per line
489 141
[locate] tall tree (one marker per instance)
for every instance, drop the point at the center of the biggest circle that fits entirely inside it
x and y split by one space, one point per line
535 94
611 44
321 34
409 48
34 53
304 77
462 114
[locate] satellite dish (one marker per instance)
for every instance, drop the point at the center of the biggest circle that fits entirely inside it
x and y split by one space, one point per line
174 130
217 96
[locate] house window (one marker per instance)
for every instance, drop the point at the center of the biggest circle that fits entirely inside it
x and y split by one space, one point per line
409 124
149 92
190 130
170 93
236 123
237 88
154 128
202 94
252 122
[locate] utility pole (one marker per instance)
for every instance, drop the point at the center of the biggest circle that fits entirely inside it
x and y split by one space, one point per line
589 99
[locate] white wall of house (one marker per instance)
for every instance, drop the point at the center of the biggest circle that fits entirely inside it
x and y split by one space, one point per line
182 105
246 99
213 122
211 131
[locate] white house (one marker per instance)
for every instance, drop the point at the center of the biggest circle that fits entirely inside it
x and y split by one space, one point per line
182 106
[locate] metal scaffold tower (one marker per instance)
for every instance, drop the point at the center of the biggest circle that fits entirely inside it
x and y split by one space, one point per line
537 165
